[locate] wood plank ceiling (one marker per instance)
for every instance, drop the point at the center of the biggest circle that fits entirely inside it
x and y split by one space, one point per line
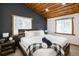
54 9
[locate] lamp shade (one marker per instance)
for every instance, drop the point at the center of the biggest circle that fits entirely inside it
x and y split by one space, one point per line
10 38
5 34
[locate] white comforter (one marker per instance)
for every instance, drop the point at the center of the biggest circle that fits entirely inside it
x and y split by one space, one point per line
25 42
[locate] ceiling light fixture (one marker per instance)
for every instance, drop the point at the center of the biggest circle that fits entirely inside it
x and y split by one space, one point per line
63 3
46 10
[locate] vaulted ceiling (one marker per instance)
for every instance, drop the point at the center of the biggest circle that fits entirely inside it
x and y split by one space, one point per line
49 10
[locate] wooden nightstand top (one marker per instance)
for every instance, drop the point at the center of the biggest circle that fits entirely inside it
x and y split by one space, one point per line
8 42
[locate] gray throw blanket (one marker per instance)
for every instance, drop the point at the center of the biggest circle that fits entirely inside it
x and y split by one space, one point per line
33 47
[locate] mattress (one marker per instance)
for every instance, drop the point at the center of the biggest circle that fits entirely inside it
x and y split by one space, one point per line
41 52
54 39
28 41
25 42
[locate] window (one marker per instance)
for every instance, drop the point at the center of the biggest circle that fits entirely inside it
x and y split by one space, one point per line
64 26
19 22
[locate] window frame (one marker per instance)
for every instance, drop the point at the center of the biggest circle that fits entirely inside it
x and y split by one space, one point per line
65 33
13 23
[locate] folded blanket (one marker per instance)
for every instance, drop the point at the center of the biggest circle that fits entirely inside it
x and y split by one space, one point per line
48 42
56 47
59 50
33 47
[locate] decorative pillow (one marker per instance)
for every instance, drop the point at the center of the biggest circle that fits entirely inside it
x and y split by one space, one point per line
45 40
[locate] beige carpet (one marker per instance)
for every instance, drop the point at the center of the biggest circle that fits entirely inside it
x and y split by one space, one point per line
74 51
17 53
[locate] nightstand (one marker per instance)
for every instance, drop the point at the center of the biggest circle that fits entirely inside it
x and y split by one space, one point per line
7 47
17 39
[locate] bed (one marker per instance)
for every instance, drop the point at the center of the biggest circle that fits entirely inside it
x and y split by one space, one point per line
30 38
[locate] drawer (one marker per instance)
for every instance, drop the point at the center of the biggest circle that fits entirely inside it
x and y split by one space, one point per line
7 52
6 48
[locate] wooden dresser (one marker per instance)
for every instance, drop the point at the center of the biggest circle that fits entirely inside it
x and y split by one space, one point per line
7 48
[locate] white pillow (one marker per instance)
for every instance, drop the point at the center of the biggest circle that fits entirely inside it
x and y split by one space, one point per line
38 33
28 34
34 33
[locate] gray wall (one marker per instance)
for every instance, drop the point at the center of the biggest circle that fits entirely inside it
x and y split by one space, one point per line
74 39
6 10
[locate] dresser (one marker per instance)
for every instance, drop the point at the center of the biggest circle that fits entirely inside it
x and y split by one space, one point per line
7 48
